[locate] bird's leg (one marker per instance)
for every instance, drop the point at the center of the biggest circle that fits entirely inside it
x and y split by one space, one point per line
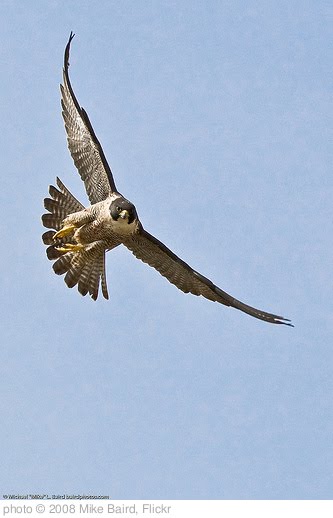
69 247
72 222
64 231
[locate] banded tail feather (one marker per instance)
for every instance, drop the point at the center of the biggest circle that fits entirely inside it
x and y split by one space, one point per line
84 268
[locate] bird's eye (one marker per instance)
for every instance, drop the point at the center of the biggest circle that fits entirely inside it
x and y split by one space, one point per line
118 209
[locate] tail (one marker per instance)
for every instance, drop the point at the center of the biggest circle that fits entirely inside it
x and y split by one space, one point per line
85 267
61 204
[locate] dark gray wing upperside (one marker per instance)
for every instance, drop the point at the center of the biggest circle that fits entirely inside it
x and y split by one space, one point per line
83 144
151 251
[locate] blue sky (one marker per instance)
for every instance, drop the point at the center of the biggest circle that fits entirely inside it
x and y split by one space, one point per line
216 118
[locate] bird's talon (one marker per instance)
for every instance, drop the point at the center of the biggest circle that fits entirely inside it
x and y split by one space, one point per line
68 247
65 231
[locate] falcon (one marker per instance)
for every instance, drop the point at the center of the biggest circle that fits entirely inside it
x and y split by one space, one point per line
81 236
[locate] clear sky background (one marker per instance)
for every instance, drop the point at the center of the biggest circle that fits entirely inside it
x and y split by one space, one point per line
216 118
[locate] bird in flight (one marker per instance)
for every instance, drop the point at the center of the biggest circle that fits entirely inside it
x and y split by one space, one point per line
81 236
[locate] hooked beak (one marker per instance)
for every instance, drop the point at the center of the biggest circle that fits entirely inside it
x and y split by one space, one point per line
124 214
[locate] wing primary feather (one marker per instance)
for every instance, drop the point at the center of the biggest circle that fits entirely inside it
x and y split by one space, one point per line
153 252
93 185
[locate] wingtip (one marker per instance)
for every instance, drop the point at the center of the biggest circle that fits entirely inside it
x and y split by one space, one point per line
279 320
286 322
67 49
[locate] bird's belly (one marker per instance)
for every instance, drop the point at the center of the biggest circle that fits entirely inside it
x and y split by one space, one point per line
91 232
107 231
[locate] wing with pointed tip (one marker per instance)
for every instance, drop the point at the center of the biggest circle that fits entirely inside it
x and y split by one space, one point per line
151 251
83 144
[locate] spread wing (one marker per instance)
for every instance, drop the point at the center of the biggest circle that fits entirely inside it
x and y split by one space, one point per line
83 144
151 251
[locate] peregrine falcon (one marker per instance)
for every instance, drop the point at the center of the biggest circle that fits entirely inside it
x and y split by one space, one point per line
82 235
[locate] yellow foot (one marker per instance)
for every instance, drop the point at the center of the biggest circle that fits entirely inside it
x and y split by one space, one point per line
68 247
65 231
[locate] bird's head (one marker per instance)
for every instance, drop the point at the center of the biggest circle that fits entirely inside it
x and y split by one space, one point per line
123 210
